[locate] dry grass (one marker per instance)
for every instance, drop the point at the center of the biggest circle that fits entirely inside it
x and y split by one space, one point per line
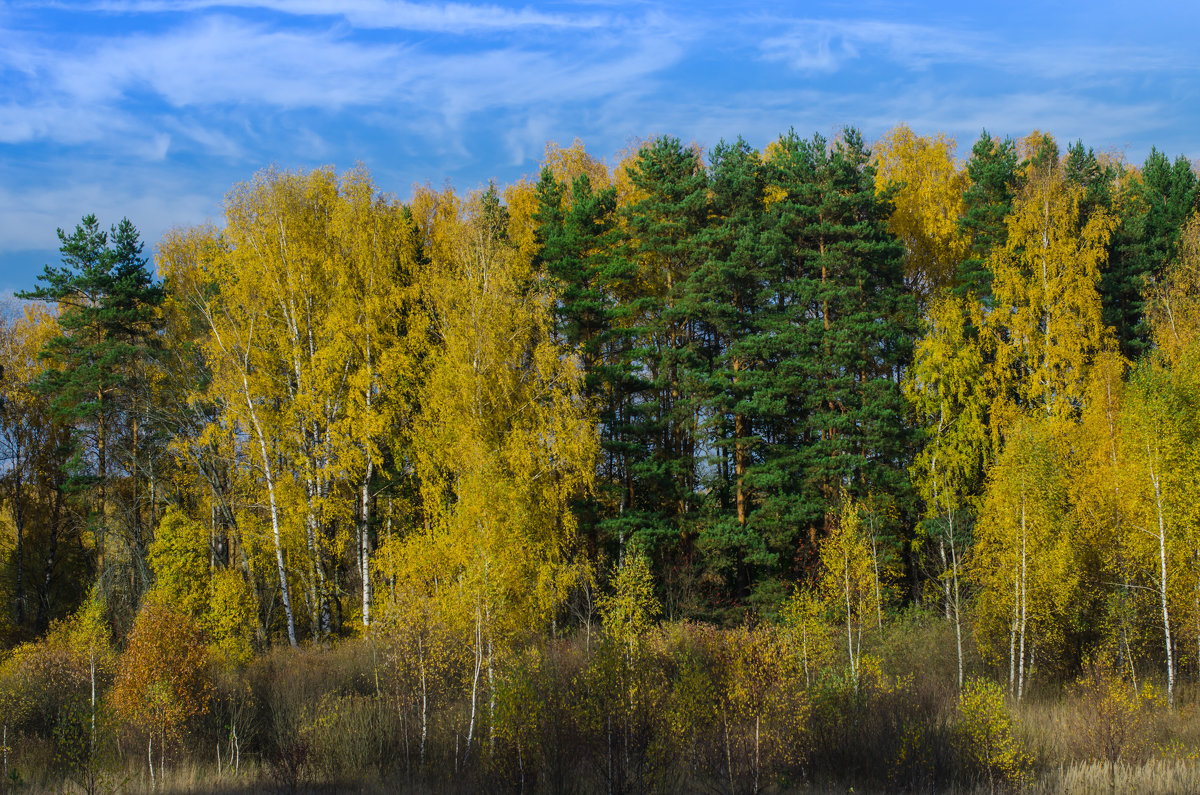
1154 777
322 709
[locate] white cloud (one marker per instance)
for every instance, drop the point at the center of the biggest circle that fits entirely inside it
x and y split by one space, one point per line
58 119
206 134
222 60
244 69
397 14
827 45
29 218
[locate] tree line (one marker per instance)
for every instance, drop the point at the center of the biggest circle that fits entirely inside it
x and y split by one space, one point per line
807 386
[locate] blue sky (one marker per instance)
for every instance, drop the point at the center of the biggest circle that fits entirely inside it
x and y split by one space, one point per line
154 109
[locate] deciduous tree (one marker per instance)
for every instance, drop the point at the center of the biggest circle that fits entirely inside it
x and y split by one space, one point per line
161 679
925 184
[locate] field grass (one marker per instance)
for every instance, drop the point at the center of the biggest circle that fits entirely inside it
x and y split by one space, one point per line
694 711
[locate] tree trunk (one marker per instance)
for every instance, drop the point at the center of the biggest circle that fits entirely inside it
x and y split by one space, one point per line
424 705
957 605
1012 635
1162 579
1024 605
475 679
364 553
19 521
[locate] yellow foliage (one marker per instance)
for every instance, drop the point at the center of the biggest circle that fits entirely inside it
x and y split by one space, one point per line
1022 561
1158 460
521 201
848 577
179 558
1047 319
569 164
948 392
220 600
627 192
230 618
927 187
987 735
1173 302
1095 485
631 606
807 634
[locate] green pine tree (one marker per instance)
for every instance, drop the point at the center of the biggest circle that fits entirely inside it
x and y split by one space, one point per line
108 303
727 296
992 170
843 335
664 243
1154 209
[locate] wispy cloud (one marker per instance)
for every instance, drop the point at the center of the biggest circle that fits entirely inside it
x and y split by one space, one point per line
86 94
152 108
225 60
397 14
827 45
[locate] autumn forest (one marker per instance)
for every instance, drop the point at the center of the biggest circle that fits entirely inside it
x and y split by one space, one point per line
831 464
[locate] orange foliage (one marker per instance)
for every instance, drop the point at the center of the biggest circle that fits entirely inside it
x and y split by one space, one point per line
161 682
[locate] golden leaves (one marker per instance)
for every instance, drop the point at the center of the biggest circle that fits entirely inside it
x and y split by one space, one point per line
1048 310
926 187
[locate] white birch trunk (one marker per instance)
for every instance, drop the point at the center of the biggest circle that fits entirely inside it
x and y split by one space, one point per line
1162 578
364 553
1024 604
243 365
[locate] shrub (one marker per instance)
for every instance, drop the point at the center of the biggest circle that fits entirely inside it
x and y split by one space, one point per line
986 736
162 678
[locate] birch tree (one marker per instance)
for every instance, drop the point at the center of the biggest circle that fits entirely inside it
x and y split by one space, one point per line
948 391
1160 462
926 187
1022 562
503 440
847 578
304 297
1047 322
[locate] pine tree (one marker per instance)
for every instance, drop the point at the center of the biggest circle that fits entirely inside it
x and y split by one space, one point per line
1095 178
1154 207
727 295
107 316
992 170
841 348
664 223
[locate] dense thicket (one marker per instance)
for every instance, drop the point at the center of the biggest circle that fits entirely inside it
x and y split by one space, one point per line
799 391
